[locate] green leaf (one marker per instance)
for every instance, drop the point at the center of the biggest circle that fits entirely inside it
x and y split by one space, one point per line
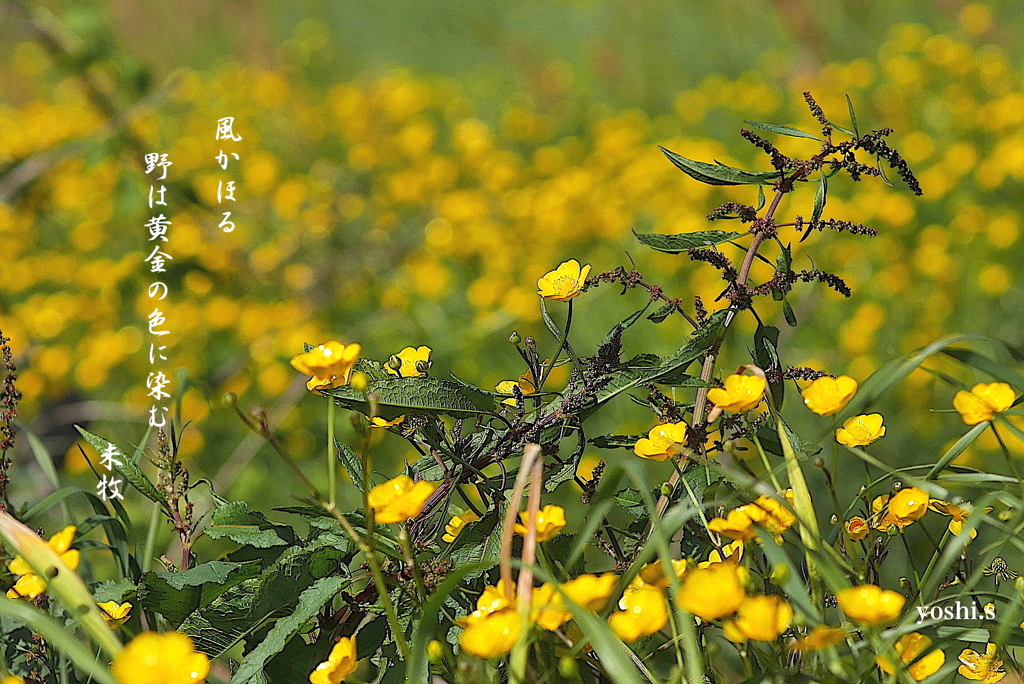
766 355
783 130
351 462
235 521
719 174
853 116
217 627
124 465
215 572
310 602
662 313
406 396
615 441
788 313
680 242
987 365
820 197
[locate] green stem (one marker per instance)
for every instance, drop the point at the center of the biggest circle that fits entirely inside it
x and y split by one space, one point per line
764 459
149 548
332 461
561 346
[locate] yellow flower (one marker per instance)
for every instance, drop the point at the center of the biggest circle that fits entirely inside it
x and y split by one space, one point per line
765 511
860 430
30 585
741 393
413 362
12 679
547 608
826 396
711 592
455 525
399 499
565 282
986 669
983 402
909 503
819 638
662 442
653 574
378 422
152 658
644 611
590 591
113 614
493 634
491 600
857 528
959 513
733 552
330 364
870 604
339 664
550 521
762 618
909 647
507 387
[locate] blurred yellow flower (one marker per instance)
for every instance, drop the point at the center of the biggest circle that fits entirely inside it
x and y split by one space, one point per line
910 503
741 393
340 663
986 669
653 574
115 614
733 552
644 611
455 525
330 364
959 513
152 658
870 604
508 387
826 395
547 608
765 511
590 591
909 647
12 679
565 282
711 592
662 442
819 638
411 362
857 528
860 430
399 499
30 585
984 401
761 618
378 422
493 634
549 522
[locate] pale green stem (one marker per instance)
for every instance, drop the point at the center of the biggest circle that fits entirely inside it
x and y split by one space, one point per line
332 461
149 548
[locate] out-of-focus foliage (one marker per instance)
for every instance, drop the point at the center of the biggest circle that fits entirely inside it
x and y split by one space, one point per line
400 207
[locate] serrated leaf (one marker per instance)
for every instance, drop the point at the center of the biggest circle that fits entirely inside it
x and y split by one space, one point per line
351 462
820 198
680 242
405 396
124 465
213 572
615 441
766 355
235 521
662 313
783 130
719 174
216 627
310 602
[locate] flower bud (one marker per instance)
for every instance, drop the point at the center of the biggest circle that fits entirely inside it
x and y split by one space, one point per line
435 651
780 573
230 400
394 363
567 667
359 381
531 344
1018 584
1007 515
666 489
422 366
514 338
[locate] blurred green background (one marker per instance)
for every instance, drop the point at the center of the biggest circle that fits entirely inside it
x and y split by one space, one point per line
408 171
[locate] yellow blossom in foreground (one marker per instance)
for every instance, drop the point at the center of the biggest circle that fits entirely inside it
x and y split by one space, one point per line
653 574
662 442
644 611
910 503
152 658
762 618
711 592
986 669
330 364
732 553
884 519
12 679
491 600
959 514
741 393
819 638
413 362
399 499
860 430
378 422
565 282
983 402
550 521
857 528
339 664
826 395
590 591
493 634
765 511
30 585
909 647
870 604
525 383
547 608
455 525
114 614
